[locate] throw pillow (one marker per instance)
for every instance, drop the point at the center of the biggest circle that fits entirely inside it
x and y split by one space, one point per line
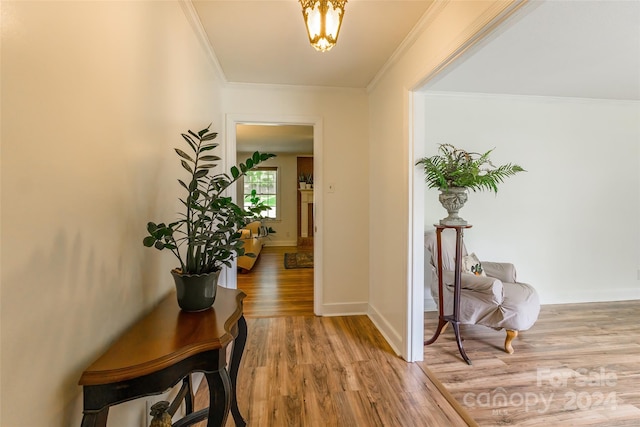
471 264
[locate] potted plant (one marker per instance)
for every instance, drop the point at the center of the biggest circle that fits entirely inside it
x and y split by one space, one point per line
454 170
302 181
205 236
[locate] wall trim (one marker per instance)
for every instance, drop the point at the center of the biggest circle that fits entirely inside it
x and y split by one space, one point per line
528 98
345 309
291 88
604 295
482 27
193 19
429 15
393 337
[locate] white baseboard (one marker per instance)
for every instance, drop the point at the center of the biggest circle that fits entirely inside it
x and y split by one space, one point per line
430 304
393 337
584 296
600 295
345 309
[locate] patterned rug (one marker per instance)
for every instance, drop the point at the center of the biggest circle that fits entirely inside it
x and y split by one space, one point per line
298 260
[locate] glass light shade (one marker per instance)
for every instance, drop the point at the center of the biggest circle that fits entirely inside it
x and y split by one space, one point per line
323 19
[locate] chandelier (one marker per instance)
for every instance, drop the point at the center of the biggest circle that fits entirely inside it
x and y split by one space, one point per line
323 19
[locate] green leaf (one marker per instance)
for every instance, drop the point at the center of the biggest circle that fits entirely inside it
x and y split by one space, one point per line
186 166
210 158
208 147
210 136
190 142
235 172
249 163
159 245
149 241
183 154
207 166
201 173
256 157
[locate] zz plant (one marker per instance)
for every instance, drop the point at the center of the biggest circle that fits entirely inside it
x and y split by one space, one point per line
205 237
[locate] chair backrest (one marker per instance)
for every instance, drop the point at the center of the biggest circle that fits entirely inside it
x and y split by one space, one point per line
448 248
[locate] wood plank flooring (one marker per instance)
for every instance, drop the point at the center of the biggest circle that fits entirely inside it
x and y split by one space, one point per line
273 290
302 370
578 365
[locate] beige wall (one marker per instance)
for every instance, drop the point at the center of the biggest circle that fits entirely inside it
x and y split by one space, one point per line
344 153
94 97
446 28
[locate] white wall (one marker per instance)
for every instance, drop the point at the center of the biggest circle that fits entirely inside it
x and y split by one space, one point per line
94 97
344 154
286 224
445 31
571 223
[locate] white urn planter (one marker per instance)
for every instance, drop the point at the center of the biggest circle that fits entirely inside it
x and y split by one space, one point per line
453 199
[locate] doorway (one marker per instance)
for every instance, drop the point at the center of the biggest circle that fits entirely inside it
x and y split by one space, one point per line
288 138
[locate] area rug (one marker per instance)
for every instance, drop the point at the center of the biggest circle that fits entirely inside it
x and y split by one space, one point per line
298 260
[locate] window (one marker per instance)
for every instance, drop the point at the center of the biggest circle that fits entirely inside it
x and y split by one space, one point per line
265 181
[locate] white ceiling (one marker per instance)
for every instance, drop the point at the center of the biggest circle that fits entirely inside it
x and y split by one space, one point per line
583 49
266 41
574 48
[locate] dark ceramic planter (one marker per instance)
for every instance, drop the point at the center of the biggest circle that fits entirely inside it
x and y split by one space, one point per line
195 292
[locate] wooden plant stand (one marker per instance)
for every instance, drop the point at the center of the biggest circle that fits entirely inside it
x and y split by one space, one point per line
454 319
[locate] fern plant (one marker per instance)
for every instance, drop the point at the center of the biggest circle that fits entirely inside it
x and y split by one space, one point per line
455 167
206 236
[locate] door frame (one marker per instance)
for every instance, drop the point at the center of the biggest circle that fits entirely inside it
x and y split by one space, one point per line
231 120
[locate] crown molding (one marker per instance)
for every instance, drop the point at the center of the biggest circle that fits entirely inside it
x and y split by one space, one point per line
196 25
528 98
485 24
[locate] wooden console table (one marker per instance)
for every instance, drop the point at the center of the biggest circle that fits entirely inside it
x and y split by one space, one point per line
454 318
163 349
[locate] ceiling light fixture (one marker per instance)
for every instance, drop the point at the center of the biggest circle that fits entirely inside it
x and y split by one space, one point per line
323 19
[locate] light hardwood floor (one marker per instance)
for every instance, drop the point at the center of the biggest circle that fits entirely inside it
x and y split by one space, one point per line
273 290
578 365
302 370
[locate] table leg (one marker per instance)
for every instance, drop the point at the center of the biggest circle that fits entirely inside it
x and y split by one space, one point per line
236 356
95 418
219 397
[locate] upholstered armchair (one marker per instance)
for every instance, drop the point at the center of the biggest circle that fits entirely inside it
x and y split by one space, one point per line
490 293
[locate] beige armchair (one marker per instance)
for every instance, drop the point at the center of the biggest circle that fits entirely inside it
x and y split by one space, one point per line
496 300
